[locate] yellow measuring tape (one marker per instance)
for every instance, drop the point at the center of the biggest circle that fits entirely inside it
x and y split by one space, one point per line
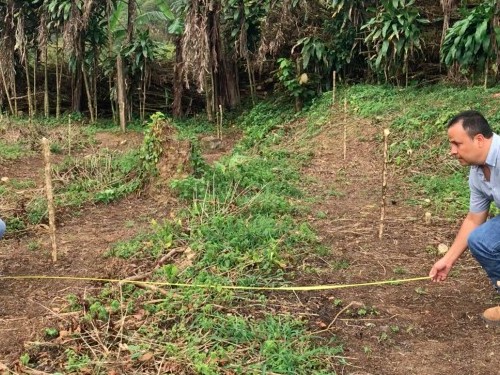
215 286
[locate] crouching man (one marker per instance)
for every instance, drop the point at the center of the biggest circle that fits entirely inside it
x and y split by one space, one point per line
474 144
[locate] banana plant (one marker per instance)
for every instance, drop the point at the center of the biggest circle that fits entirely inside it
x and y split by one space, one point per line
395 34
129 56
471 41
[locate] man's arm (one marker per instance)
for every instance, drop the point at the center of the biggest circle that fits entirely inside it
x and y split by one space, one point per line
442 267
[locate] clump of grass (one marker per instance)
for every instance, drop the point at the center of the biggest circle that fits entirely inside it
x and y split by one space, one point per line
11 151
240 228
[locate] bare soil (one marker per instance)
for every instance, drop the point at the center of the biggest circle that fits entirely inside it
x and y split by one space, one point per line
410 328
415 327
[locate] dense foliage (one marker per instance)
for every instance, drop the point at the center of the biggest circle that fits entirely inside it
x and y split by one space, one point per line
132 57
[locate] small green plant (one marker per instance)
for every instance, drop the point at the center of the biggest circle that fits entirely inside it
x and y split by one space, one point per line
341 264
421 291
24 359
98 311
51 332
76 362
399 270
321 215
56 148
74 302
322 250
34 245
335 193
383 337
395 329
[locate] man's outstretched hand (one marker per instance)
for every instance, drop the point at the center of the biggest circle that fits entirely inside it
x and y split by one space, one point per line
440 270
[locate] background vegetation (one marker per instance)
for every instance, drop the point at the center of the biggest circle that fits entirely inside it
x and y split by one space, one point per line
129 58
244 217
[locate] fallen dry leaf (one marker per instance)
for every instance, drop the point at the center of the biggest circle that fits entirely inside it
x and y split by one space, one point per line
146 357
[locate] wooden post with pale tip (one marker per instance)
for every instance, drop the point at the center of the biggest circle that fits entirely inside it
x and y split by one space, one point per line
345 128
384 185
219 124
50 197
334 86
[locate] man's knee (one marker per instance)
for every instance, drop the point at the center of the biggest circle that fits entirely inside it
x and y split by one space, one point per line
475 242
2 228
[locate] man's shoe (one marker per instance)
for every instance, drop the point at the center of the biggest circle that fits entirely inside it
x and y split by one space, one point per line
492 315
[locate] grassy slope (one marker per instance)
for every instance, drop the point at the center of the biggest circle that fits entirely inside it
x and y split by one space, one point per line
242 228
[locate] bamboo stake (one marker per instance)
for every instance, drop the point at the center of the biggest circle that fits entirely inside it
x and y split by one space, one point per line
334 86
345 128
50 198
384 185
219 126
69 135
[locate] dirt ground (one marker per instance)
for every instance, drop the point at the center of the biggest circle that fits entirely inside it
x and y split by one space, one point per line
410 328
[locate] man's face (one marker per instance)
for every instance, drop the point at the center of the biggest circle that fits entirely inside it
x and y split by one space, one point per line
468 151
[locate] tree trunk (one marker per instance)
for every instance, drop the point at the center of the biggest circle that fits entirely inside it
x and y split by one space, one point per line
145 79
35 67
448 6
209 97
496 47
7 55
89 94
77 81
229 91
112 97
28 84
94 82
58 79
6 89
178 85
224 71
45 81
120 91
251 78
131 10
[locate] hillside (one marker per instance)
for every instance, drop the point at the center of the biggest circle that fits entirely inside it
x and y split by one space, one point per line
279 204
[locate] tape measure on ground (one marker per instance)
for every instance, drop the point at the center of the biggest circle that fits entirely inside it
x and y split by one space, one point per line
216 286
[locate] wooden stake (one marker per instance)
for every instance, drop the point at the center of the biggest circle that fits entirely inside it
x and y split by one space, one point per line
69 135
50 198
384 185
334 86
345 128
219 125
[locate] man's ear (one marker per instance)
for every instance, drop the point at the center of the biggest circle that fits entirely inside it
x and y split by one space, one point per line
480 138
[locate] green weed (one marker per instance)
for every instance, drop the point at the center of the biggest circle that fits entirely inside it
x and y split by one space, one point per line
13 151
51 332
241 225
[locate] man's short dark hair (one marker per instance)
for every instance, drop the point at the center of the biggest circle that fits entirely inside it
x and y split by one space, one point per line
473 123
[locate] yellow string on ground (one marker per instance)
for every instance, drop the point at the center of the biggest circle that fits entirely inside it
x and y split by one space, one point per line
215 286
